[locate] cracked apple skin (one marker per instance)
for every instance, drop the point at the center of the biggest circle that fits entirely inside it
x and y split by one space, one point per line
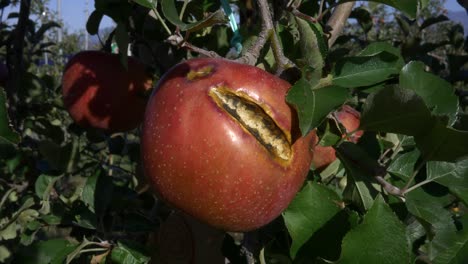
203 161
99 92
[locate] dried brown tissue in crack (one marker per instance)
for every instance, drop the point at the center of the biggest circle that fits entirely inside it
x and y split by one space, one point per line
200 72
255 120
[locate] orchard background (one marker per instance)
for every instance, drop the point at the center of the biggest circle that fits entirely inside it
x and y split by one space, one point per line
399 194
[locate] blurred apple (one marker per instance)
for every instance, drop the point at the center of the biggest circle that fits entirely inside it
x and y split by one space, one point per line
99 92
349 118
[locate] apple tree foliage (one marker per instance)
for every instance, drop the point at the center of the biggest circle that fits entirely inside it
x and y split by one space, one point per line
399 195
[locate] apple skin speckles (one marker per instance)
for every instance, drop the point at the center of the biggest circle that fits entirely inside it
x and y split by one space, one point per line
215 169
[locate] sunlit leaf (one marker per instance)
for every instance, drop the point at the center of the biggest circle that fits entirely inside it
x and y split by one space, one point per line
452 175
403 165
128 253
365 70
312 44
313 106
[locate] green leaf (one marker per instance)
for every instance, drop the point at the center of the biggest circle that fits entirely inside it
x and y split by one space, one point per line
437 93
128 253
326 242
312 207
92 25
380 238
402 111
365 70
360 174
427 205
7 134
403 165
170 12
312 44
52 251
5 253
151 4
313 106
396 110
301 96
457 253
88 194
375 48
8 232
42 185
452 175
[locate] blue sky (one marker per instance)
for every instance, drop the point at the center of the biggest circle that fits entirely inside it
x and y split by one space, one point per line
74 12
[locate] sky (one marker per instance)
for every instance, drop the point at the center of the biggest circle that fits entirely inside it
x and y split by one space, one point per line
74 12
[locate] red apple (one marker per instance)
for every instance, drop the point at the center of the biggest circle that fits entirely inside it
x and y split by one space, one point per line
99 92
350 119
220 143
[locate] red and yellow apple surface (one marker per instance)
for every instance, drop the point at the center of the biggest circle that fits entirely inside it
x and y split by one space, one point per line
220 143
99 92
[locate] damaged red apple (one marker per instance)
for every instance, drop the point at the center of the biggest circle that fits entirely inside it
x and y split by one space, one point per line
220 143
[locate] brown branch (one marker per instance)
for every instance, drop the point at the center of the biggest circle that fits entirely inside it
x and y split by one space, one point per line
282 62
179 41
267 33
250 57
338 20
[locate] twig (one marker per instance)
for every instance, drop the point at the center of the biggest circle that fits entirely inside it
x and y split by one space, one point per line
303 16
282 61
338 19
411 179
251 55
207 53
267 33
389 188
